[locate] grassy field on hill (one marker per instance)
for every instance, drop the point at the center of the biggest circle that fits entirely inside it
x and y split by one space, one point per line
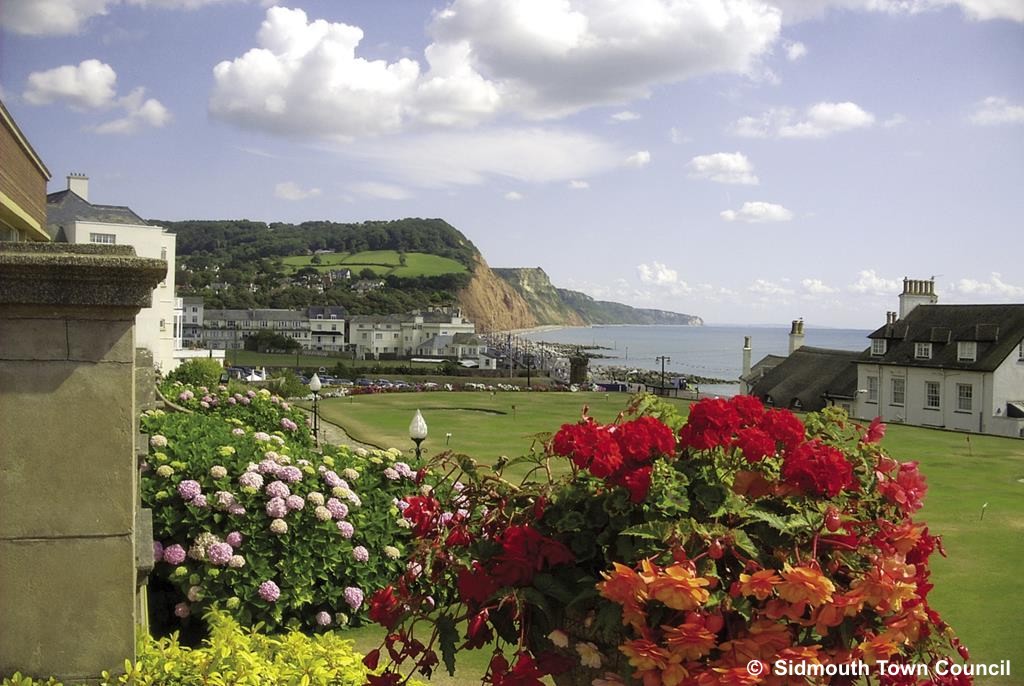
382 262
977 588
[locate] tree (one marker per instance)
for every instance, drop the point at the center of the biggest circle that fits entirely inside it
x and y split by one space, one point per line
266 341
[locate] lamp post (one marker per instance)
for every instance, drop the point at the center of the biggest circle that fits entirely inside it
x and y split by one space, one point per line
418 432
314 388
663 360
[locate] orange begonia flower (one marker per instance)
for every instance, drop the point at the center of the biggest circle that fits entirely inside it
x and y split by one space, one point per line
805 584
690 641
875 648
627 588
644 654
760 584
679 589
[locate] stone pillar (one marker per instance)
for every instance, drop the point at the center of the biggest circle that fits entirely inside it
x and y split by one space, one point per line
578 365
68 470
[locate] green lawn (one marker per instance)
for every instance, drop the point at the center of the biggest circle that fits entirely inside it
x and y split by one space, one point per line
977 588
381 262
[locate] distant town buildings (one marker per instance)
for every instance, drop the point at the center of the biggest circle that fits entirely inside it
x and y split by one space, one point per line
955 367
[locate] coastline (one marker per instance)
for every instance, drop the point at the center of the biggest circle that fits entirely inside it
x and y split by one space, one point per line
536 329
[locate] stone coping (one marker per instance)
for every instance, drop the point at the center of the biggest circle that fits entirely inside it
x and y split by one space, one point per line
78 275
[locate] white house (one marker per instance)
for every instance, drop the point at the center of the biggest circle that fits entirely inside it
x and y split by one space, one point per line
950 366
327 328
71 218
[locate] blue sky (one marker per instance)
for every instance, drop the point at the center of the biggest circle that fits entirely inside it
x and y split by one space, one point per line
747 161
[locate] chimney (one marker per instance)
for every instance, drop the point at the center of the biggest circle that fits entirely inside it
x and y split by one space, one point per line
796 335
79 185
916 292
746 355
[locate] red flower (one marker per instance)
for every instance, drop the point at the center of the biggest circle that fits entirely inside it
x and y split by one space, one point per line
907 489
712 423
524 552
372 658
496 670
749 408
875 432
784 427
423 513
385 608
385 679
643 439
478 632
755 443
524 673
817 469
590 446
476 586
459 537
637 481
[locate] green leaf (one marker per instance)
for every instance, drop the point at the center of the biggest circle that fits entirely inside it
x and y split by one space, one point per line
742 541
448 636
553 587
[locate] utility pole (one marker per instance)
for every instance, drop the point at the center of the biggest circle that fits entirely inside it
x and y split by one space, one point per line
663 360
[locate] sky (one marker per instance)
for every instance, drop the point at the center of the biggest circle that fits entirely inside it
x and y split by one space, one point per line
747 161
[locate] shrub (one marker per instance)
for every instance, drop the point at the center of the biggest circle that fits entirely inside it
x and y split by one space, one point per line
264 527
201 371
232 655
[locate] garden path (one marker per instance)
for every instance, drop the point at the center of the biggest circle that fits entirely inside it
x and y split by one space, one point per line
335 435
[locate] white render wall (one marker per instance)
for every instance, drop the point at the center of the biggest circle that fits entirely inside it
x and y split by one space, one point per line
154 325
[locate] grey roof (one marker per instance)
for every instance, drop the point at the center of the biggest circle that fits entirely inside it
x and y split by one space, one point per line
65 207
807 375
255 315
327 311
466 339
997 330
762 367
380 318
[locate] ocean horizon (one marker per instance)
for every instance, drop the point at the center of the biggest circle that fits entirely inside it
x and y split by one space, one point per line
714 351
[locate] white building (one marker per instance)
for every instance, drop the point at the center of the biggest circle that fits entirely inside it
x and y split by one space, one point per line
71 218
950 366
327 328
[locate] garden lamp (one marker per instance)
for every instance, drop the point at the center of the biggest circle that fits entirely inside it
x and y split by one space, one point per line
314 387
418 431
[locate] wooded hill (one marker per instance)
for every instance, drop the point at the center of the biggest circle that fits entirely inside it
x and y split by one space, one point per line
241 264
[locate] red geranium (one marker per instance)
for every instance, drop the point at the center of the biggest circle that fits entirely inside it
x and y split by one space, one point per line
817 469
590 446
423 512
643 439
755 443
712 423
784 427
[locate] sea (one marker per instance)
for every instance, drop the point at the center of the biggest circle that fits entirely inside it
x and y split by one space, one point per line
708 351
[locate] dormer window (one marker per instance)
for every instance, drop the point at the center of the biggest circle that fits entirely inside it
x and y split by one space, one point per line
922 351
966 351
878 347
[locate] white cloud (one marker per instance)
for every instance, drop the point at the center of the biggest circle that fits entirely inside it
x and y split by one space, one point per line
870 283
993 111
513 195
553 57
140 113
641 158
381 191
723 167
90 85
678 137
49 17
578 185
625 115
758 212
795 50
978 10
995 287
819 121
532 155
769 288
817 287
289 190
894 121
657 273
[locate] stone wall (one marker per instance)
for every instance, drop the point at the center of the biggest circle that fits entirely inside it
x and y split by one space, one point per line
69 516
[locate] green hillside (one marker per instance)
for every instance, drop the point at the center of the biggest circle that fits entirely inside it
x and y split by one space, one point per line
381 262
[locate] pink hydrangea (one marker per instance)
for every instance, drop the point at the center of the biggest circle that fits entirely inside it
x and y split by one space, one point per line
236 509
391 474
270 592
158 550
277 508
261 436
323 618
174 554
290 474
354 597
332 479
278 489
232 401
199 501
405 470
234 539
236 431
268 466
219 553
288 425
295 502
338 509
251 393
224 500
252 480
189 489
346 529
360 554
182 610
245 401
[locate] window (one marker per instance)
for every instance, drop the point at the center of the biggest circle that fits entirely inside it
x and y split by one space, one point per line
379 336
922 351
163 325
107 238
966 351
964 397
1020 352
932 395
195 320
872 389
334 316
163 254
899 390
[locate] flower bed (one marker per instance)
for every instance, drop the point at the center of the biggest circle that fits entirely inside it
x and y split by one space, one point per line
248 517
691 554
